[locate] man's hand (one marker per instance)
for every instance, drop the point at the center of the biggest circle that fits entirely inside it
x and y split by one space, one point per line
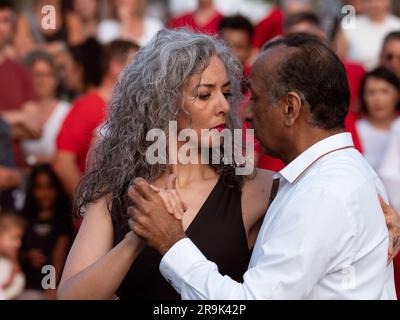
393 225
150 219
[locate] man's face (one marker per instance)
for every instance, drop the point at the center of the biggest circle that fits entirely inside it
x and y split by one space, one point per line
390 56
266 118
240 43
6 26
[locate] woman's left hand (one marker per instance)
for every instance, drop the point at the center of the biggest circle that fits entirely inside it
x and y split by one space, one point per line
171 198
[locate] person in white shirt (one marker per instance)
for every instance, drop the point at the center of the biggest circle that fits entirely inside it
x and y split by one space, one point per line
324 235
131 23
380 105
48 109
389 169
362 38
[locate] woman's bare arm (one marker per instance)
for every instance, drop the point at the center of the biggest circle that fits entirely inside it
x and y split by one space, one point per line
94 269
255 196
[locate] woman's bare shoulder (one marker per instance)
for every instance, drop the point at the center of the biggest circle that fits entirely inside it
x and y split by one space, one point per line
255 194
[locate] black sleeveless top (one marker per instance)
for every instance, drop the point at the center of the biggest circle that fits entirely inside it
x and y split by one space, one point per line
217 230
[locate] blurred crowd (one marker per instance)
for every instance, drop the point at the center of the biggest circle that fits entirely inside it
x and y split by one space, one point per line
55 85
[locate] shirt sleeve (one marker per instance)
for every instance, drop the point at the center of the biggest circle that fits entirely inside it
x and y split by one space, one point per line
75 130
295 254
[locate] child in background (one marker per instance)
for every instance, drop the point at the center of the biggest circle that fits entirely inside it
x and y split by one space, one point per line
48 235
12 280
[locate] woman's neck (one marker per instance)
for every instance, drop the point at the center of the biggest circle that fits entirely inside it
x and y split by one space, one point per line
382 124
189 173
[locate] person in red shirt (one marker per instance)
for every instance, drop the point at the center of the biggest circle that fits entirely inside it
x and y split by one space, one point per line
237 31
205 19
16 84
268 28
87 114
308 22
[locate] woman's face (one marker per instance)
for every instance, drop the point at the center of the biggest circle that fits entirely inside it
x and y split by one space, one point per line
44 79
44 192
381 98
205 99
73 75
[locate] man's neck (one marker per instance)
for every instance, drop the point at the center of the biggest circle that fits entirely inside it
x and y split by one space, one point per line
305 140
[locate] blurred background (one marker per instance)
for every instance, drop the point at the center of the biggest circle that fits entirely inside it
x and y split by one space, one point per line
58 67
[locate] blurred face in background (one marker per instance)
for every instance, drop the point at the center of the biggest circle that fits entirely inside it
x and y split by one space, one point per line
240 43
381 99
73 75
10 240
86 9
126 7
357 4
296 6
44 79
376 8
390 56
44 191
307 28
6 27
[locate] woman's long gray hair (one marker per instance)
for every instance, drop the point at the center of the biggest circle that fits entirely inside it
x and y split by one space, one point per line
146 97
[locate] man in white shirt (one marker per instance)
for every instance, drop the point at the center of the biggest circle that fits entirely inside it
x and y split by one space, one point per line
324 235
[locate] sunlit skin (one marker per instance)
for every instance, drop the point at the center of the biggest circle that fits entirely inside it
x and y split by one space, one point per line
262 114
381 99
205 101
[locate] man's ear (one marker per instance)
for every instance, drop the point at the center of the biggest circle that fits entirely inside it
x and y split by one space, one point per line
292 108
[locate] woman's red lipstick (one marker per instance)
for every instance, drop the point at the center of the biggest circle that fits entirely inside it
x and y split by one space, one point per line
220 127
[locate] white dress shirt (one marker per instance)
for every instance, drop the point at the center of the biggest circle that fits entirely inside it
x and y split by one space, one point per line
323 237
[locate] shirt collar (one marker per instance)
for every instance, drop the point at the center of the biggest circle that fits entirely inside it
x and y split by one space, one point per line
299 165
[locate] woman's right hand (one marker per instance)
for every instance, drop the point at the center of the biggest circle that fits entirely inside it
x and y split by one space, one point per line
171 198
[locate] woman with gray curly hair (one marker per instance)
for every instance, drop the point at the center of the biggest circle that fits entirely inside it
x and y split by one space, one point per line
194 80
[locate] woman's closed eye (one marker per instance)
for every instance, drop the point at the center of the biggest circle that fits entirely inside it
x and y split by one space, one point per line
227 95
205 96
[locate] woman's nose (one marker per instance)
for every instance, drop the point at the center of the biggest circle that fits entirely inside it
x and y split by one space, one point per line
223 104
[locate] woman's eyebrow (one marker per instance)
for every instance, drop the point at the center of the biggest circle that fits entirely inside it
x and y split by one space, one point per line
213 85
